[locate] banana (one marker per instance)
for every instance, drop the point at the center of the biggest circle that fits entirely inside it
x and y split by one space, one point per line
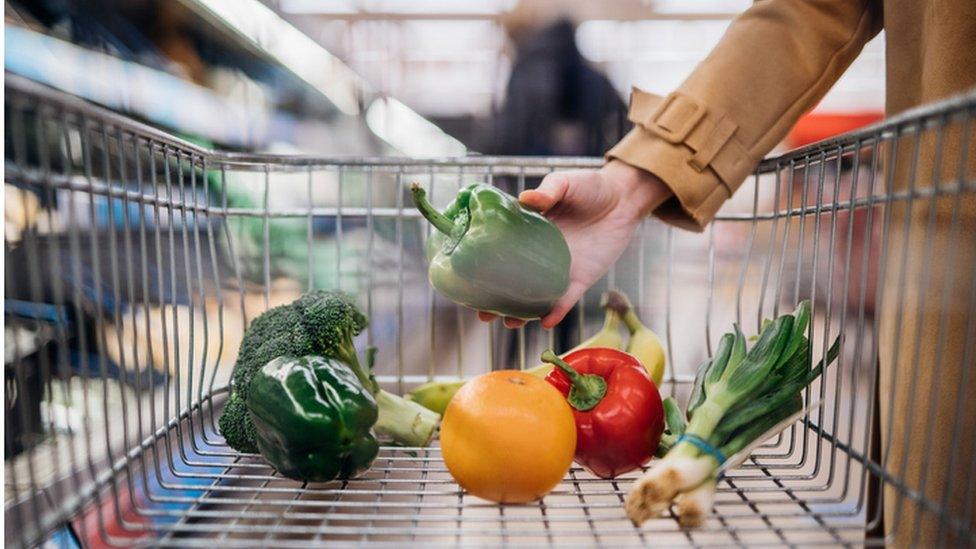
608 336
436 395
644 343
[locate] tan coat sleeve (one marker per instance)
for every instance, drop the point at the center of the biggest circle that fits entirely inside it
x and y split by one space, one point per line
774 63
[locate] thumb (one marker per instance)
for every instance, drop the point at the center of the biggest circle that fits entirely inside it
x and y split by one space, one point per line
552 189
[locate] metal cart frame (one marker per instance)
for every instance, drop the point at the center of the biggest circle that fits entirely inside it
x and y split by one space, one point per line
138 238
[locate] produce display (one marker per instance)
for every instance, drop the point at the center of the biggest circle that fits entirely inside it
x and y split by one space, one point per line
320 323
618 411
490 253
643 344
737 397
508 437
313 419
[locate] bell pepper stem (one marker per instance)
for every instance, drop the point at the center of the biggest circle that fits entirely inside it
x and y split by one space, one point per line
440 221
587 390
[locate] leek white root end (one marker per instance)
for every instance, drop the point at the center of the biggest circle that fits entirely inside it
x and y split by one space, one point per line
696 504
652 494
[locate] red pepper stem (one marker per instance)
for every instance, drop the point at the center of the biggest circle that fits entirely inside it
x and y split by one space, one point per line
552 358
587 390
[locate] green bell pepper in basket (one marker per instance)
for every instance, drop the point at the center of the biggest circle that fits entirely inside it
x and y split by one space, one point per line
489 253
313 418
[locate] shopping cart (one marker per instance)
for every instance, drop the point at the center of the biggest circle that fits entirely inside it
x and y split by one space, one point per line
135 259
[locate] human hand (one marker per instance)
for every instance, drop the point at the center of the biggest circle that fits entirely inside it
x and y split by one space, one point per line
597 212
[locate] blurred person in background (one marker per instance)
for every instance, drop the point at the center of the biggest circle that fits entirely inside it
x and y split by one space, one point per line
690 151
555 103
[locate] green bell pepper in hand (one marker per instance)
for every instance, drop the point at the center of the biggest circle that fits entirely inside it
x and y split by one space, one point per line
491 254
313 418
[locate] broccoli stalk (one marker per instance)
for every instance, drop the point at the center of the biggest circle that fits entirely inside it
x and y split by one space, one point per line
405 421
318 323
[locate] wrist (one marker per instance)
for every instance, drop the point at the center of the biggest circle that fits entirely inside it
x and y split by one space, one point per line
640 188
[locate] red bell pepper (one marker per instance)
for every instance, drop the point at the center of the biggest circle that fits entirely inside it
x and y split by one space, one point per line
617 408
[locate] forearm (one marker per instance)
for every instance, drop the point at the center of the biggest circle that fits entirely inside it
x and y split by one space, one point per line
775 62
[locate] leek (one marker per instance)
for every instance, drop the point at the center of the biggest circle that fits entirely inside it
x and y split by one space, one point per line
738 396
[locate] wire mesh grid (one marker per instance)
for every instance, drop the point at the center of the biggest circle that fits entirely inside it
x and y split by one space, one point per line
135 259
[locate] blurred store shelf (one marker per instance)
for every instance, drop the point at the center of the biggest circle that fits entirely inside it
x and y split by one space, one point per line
232 74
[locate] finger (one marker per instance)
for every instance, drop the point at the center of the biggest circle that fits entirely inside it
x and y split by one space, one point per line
514 323
552 189
486 317
563 305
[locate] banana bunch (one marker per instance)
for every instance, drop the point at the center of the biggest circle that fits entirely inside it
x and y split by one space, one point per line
644 344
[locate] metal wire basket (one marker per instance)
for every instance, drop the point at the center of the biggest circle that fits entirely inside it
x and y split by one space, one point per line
135 259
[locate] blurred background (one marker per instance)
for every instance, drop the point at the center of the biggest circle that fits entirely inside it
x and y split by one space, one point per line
407 77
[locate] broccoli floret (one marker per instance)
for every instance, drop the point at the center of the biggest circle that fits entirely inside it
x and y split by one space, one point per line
332 320
236 426
318 323
277 332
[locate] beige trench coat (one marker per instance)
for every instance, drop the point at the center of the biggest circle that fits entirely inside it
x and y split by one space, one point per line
774 63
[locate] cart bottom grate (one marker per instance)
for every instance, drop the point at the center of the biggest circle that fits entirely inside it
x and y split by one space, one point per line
187 488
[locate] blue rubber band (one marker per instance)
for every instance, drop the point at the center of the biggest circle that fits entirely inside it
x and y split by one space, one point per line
703 446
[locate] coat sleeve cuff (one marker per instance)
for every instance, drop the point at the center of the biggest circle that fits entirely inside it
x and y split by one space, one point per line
694 151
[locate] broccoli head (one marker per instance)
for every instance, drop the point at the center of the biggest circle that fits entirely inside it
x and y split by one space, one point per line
318 323
276 332
332 320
